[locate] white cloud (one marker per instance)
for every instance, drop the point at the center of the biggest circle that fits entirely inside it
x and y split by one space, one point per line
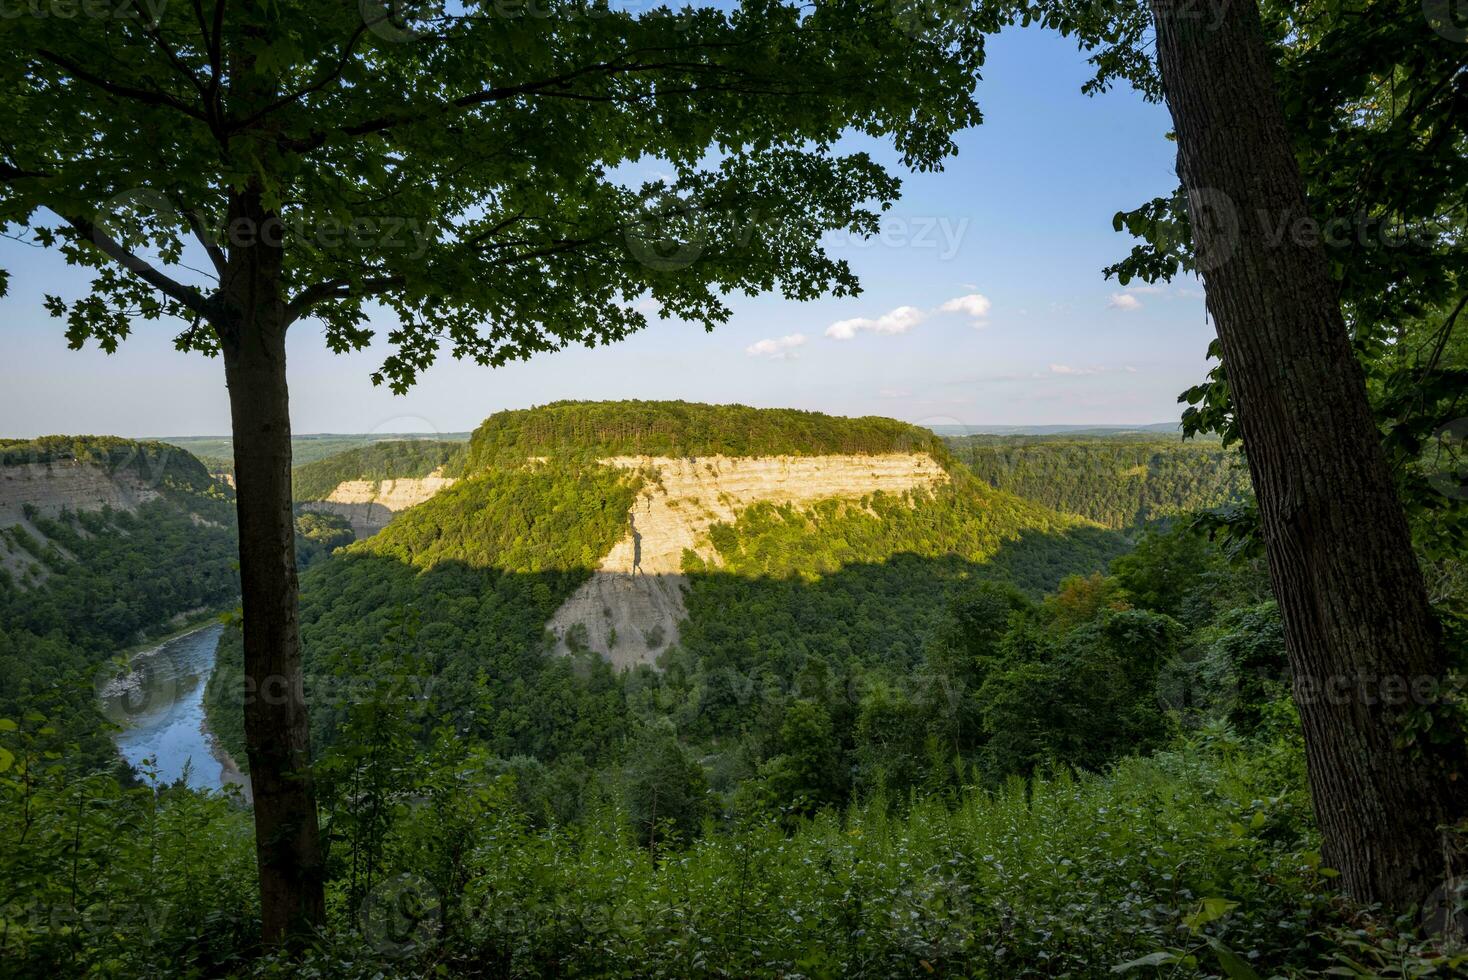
900 320
1124 301
1068 370
974 305
894 393
778 348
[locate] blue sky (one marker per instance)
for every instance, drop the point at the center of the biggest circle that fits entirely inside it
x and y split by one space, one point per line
1021 217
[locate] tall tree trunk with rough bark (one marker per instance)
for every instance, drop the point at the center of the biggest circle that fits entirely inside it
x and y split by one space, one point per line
277 733
1364 645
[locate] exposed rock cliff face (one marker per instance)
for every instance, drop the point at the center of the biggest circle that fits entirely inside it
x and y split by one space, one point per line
370 504
631 608
51 488
67 485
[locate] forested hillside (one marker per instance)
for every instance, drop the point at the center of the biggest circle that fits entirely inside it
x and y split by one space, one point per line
1117 480
852 589
105 544
80 583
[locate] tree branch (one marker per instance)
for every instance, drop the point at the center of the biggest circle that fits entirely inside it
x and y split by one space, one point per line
545 86
188 296
146 96
322 292
215 253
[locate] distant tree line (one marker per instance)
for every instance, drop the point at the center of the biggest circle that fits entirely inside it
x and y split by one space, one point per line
1122 483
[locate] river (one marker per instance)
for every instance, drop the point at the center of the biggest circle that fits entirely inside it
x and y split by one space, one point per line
159 702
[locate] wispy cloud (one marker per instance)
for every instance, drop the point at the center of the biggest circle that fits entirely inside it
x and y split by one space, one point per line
894 393
898 321
974 306
777 348
1066 369
1124 301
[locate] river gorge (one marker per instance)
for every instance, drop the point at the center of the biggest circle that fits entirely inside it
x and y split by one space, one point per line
158 702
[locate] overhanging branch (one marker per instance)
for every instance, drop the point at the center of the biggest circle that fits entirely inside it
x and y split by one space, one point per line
188 296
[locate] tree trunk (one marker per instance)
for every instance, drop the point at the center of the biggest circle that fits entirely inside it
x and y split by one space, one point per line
277 732
1364 645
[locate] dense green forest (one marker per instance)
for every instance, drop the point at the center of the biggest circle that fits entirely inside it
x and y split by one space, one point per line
379 461
1119 481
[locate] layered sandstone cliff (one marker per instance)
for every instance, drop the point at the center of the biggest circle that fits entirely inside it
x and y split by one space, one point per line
370 504
47 489
631 608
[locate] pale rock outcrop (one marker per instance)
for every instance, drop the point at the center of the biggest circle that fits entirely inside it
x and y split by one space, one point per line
631 607
370 504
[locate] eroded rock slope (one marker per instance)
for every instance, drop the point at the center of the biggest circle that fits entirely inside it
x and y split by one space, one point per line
631 608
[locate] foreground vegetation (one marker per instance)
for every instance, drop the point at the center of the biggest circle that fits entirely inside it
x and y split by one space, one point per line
1198 859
